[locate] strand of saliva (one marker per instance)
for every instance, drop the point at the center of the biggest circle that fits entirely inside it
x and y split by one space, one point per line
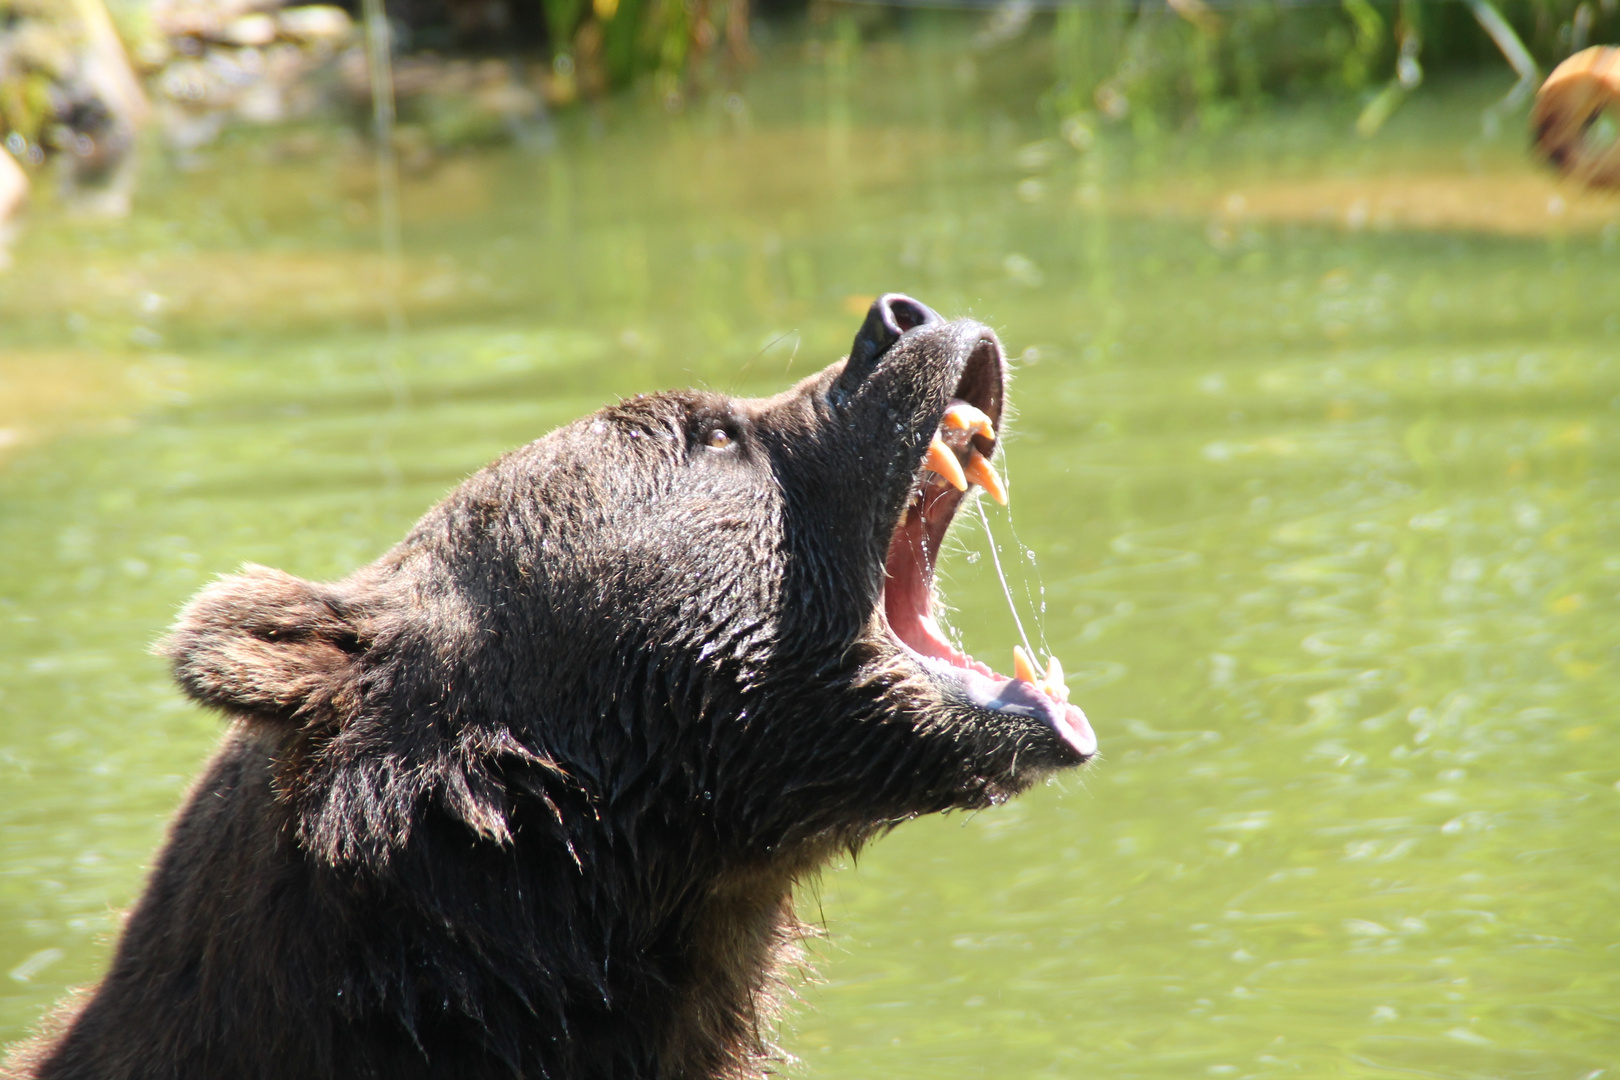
995 557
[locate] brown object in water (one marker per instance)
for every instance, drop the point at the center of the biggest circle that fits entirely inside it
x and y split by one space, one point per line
1576 119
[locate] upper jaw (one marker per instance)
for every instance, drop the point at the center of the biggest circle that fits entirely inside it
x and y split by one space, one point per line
961 369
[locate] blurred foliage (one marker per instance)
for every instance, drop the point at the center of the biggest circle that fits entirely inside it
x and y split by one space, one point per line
36 51
1146 63
1113 55
623 39
603 44
1154 64
1152 61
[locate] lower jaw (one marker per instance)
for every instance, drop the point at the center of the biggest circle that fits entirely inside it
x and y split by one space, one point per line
907 607
1014 697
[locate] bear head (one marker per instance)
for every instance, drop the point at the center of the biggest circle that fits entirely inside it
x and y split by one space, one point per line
707 615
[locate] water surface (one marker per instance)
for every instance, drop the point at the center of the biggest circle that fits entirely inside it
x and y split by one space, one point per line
1315 452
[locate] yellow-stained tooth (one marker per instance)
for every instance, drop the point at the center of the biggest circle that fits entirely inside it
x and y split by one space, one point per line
981 472
1023 666
1056 685
965 417
943 460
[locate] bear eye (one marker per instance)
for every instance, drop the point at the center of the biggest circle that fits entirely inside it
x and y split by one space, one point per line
719 438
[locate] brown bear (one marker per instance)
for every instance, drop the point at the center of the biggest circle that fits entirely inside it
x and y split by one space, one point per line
529 795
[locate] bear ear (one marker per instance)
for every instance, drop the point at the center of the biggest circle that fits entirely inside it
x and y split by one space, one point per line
268 645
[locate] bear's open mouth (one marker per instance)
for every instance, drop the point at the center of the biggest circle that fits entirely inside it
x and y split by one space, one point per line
957 460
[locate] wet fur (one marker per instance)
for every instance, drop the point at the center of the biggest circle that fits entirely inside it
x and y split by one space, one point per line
529 795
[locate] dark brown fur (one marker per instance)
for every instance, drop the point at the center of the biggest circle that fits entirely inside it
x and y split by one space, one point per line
528 796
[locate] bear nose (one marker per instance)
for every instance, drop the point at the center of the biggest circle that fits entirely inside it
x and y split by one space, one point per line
890 315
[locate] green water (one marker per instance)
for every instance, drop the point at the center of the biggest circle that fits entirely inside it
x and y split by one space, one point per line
1324 522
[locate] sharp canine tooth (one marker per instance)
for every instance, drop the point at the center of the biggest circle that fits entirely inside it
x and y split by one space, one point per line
981 472
943 460
1056 685
1024 667
965 417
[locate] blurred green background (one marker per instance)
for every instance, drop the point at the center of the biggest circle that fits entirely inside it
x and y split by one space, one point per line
1314 483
